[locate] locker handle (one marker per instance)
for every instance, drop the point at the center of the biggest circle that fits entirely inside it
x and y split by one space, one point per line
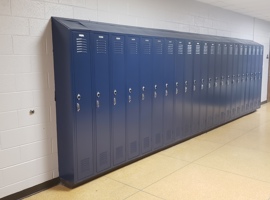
216 84
186 89
155 94
194 88
142 96
78 107
129 98
202 87
176 90
114 101
97 104
209 85
166 93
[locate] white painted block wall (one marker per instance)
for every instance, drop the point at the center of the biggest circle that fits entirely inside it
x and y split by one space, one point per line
28 144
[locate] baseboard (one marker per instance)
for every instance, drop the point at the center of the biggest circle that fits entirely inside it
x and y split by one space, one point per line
32 190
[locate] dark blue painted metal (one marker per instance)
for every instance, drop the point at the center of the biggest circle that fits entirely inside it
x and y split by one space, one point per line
242 72
224 82
101 96
230 82
210 86
188 87
248 72
235 81
168 70
197 58
158 91
146 92
252 79
132 98
118 94
203 86
179 90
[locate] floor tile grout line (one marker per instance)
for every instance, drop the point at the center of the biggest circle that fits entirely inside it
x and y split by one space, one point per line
229 172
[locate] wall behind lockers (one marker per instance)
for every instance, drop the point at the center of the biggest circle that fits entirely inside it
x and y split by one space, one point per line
28 144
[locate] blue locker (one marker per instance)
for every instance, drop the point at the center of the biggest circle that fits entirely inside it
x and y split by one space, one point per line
230 82
217 85
248 82
179 91
82 98
210 86
245 77
118 94
256 77
101 97
145 94
203 86
260 75
252 79
196 87
132 98
188 87
235 82
168 93
158 91
224 82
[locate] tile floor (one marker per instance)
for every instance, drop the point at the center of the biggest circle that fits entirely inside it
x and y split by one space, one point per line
231 162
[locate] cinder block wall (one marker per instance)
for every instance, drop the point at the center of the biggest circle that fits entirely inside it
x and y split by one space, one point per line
28 144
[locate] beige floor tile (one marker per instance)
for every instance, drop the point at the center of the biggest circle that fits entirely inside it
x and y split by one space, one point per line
198 182
191 150
221 135
243 124
143 196
147 171
102 188
246 162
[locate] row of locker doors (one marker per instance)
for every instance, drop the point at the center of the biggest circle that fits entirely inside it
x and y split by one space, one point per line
134 95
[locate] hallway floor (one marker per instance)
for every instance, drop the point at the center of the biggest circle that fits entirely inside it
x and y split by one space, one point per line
231 162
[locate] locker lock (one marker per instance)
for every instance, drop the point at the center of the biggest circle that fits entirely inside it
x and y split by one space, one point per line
186 83
130 90
176 84
98 94
78 97
155 87
194 82
143 88
166 85
210 79
115 92
202 81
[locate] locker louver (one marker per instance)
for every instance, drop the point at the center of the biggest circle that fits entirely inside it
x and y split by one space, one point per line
133 45
236 50
146 142
225 50
198 49
205 49
170 47
85 164
103 158
189 48
101 45
119 153
159 48
212 49
81 44
118 47
230 50
133 147
219 49
147 47
180 48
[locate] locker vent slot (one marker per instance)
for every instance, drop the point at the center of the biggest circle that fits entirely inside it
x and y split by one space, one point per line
212 50
158 138
103 158
147 48
219 50
133 47
245 51
230 50
101 46
146 142
170 48
169 135
119 152
249 51
189 49
133 147
118 47
225 49
85 164
159 48
205 49
236 50
258 51
180 48
81 45
198 47
241 51
253 53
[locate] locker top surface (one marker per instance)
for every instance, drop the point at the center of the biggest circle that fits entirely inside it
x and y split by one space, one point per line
84 25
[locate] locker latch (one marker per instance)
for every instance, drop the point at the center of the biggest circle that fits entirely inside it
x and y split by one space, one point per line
129 98
114 98
155 92
216 82
228 80
143 89
176 89
166 91
186 86
202 84
209 83
97 102
222 80
78 107
194 85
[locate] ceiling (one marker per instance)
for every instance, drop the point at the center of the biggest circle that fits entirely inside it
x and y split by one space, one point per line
255 8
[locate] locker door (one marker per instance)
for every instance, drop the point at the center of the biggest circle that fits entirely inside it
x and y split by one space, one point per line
210 86
240 80
252 79
196 88
244 71
117 91
158 91
132 99
248 85
235 82
230 79
224 83
188 85
145 94
168 92
101 96
217 88
179 91
260 74
82 97
203 87
256 77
